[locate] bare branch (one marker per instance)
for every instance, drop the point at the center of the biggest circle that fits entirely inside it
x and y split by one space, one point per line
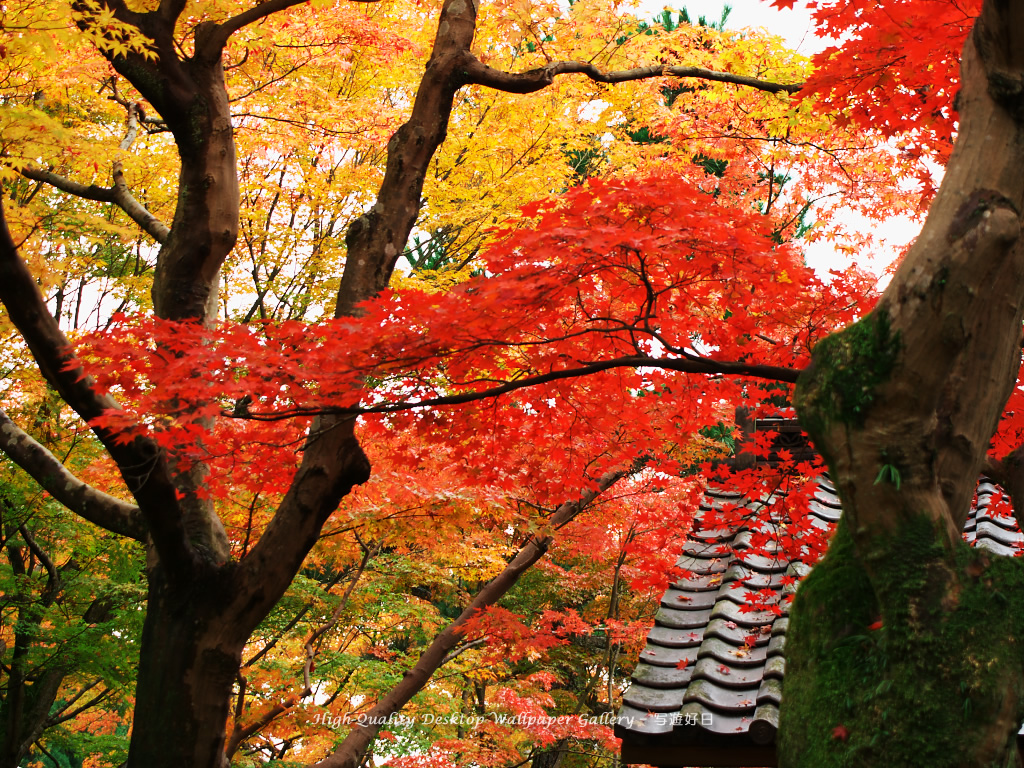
706 366
270 646
314 636
241 734
82 499
64 184
65 714
479 73
117 194
461 650
53 580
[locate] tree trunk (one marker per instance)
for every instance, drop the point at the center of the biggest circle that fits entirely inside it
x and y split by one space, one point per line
25 706
550 758
187 668
903 648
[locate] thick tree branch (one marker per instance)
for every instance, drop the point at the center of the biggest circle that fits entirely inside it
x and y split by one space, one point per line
122 197
217 39
169 10
376 240
332 464
139 458
333 461
190 95
478 73
82 499
952 314
64 184
353 748
117 194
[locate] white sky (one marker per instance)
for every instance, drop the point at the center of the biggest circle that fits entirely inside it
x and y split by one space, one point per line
795 25
797 28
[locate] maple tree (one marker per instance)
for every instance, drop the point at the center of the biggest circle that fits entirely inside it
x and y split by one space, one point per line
518 373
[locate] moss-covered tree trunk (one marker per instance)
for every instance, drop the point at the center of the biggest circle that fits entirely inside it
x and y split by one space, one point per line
906 649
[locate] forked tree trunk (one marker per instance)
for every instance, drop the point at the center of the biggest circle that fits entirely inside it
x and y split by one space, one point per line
903 406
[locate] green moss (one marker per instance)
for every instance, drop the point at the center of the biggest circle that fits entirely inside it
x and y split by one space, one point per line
846 368
921 689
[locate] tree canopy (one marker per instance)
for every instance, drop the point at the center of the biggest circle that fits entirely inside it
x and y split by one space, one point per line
363 362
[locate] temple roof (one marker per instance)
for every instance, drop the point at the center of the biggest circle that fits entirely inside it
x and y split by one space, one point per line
721 707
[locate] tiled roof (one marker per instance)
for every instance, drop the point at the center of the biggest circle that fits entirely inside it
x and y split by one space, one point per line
721 707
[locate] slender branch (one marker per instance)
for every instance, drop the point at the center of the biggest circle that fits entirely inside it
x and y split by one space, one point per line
478 73
71 702
45 751
53 582
355 745
368 554
238 735
454 654
707 366
66 715
82 499
269 646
